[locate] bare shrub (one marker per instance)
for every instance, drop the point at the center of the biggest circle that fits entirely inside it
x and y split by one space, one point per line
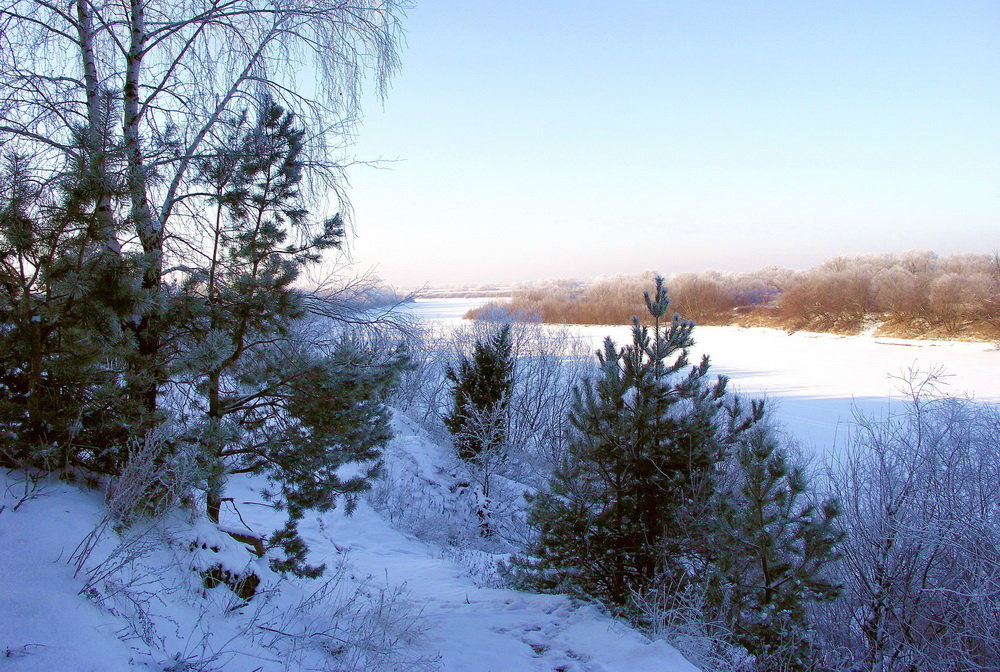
918 261
824 299
921 565
898 291
423 386
607 300
965 264
475 510
701 299
992 304
684 619
946 301
915 294
547 361
151 481
755 289
486 427
355 626
22 487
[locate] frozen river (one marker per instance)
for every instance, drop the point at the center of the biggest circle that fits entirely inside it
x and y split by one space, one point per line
816 380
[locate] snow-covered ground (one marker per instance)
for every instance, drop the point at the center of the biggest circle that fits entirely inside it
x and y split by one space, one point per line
157 615
400 603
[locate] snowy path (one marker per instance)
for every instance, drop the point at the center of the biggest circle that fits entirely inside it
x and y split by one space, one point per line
483 629
475 629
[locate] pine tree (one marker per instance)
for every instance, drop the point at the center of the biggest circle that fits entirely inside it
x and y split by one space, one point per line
335 415
774 548
241 303
481 388
626 507
272 403
65 293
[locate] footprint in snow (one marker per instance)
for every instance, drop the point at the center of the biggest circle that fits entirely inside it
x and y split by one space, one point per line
539 637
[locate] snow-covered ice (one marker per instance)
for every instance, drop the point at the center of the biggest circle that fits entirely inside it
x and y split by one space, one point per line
817 381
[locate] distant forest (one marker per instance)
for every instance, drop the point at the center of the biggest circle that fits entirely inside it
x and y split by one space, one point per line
914 295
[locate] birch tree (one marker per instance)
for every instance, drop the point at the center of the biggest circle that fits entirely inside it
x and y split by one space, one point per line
175 71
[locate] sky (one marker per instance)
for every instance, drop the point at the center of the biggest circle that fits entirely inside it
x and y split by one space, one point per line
524 140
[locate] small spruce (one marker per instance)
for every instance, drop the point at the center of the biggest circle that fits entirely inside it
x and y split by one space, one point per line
481 389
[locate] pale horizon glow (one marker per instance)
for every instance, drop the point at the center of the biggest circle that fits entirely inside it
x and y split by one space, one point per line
557 139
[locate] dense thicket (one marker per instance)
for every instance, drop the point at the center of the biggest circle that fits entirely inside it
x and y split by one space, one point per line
913 294
921 563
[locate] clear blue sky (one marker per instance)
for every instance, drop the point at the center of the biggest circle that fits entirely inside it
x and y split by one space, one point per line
541 139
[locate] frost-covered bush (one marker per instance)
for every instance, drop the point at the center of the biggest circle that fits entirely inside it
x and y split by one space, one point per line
347 624
701 298
915 293
475 509
472 515
921 564
687 619
547 361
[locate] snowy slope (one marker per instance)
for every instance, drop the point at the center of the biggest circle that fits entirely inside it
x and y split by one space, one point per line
395 591
472 628
44 624
410 593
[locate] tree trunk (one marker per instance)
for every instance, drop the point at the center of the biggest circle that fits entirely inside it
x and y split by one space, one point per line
96 122
213 448
150 232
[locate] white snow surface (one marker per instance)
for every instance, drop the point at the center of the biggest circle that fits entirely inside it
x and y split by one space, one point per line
450 622
818 381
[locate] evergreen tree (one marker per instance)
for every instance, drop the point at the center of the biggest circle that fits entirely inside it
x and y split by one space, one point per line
774 546
241 303
65 293
481 388
272 403
334 415
628 505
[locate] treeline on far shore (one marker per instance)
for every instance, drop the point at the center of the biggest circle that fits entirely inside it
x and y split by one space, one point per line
914 294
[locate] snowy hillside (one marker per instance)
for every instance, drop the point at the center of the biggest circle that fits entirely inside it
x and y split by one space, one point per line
395 602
